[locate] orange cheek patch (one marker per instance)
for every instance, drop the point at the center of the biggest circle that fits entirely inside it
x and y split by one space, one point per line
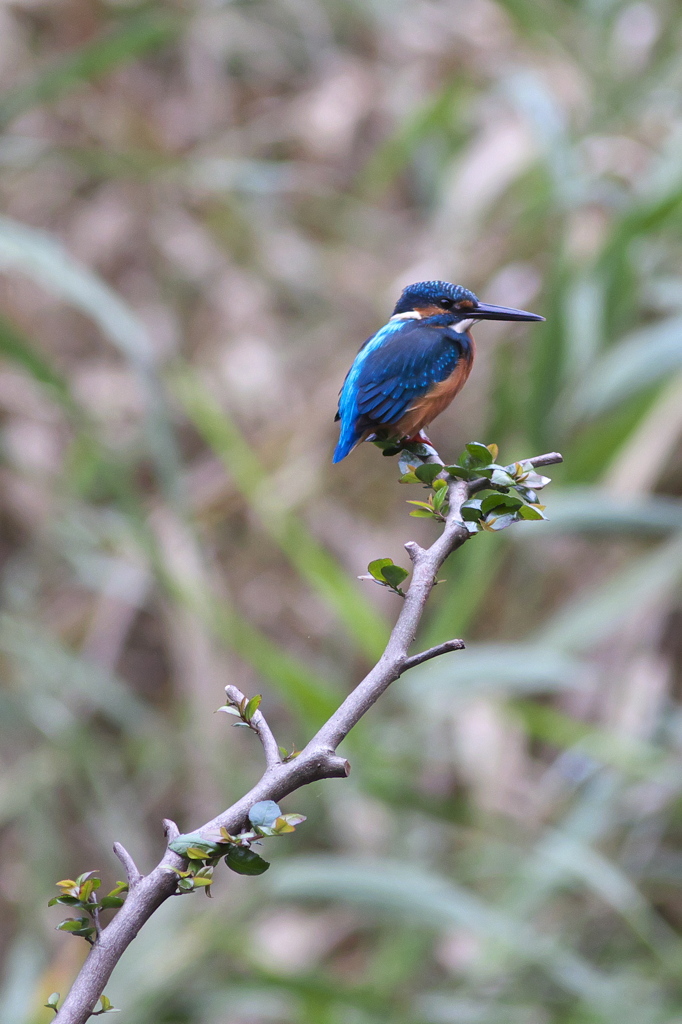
425 311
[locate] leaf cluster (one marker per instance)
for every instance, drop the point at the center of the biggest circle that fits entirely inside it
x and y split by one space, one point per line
387 574
80 894
512 490
244 710
204 851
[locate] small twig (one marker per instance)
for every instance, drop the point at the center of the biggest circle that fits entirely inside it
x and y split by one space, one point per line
133 874
550 459
433 652
260 727
95 917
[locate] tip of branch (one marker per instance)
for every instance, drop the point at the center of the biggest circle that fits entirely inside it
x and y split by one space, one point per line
170 830
413 550
233 694
550 459
433 652
133 874
334 766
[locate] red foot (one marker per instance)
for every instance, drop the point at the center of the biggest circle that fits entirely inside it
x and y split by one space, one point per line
419 438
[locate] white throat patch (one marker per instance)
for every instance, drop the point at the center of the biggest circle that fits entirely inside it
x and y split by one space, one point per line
463 325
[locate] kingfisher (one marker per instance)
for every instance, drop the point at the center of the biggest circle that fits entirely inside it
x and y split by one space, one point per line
411 369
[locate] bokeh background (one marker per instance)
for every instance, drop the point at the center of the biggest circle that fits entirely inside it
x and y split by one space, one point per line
206 208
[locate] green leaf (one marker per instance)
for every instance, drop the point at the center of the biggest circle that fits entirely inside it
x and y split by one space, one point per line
440 498
407 463
264 814
194 841
528 512
501 478
292 819
505 501
471 510
111 902
198 853
461 471
77 926
428 472
498 522
480 453
423 513
375 568
524 473
201 881
88 876
394 575
245 862
252 706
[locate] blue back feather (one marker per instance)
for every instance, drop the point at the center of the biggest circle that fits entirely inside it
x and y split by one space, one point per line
395 367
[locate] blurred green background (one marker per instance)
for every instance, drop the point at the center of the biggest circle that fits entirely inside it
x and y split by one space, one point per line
207 207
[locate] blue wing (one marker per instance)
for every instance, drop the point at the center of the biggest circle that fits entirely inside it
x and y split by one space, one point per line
398 365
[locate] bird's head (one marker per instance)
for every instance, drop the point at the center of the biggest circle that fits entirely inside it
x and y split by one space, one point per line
438 298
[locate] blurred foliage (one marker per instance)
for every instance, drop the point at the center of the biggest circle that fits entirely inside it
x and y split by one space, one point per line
206 209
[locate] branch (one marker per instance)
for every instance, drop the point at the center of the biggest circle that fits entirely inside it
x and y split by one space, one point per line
318 760
132 873
434 652
260 727
550 459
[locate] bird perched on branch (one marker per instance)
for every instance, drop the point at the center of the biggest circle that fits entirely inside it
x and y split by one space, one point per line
411 369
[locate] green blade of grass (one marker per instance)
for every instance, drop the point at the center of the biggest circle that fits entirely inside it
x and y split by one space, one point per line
39 256
408 892
587 619
19 350
459 600
315 564
139 35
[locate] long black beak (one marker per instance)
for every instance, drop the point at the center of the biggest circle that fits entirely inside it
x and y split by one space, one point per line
485 312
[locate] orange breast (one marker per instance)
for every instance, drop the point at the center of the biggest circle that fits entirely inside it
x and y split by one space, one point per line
425 409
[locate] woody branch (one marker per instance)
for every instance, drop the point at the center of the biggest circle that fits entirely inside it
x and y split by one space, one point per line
318 760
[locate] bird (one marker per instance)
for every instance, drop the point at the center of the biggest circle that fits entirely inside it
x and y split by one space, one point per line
411 369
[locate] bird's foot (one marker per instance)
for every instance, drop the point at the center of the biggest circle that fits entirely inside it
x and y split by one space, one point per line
419 438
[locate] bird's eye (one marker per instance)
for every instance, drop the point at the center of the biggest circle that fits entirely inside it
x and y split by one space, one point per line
445 303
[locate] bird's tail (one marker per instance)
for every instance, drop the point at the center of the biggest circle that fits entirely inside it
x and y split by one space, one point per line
348 439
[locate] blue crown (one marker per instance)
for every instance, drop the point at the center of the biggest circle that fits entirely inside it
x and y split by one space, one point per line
429 293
